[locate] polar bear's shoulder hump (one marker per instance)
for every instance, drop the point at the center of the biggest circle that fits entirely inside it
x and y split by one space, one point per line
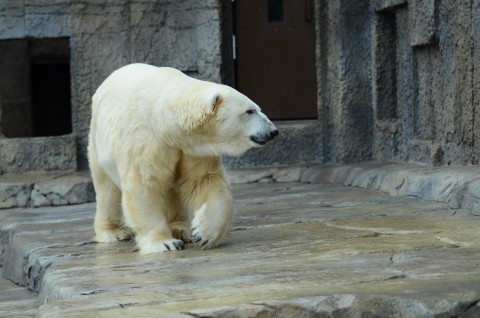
140 68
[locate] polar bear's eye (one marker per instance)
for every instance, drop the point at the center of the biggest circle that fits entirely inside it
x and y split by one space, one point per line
251 111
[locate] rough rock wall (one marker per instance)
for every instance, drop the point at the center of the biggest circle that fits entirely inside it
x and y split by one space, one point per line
344 62
105 35
400 79
433 85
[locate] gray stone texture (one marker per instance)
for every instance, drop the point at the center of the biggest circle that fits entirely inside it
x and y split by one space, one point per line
345 79
17 301
295 250
40 153
423 28
65 190
279 174
37 189
457 187
435 91
421 59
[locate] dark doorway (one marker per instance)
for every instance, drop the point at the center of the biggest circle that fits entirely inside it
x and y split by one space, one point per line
275 56
50 87
35 87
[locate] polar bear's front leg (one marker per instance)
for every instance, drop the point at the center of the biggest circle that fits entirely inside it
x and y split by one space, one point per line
212 219
145 212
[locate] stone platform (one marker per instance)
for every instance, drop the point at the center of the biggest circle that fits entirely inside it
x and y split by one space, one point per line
295 250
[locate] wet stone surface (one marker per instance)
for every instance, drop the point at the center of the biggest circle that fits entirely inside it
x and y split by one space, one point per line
17 301
294 250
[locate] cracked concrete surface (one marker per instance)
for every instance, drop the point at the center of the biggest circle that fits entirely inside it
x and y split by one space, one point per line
295 250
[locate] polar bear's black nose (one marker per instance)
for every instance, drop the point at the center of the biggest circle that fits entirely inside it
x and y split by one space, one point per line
274 133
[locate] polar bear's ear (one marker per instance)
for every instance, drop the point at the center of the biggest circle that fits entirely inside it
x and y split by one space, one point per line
195 116
212 102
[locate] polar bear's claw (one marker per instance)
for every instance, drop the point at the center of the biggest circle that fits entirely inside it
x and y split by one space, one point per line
201 241
174 245
196 237
179 245
165 246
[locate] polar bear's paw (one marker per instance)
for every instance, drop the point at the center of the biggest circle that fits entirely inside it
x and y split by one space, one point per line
181 231
205 235
200 240
119 234
163 246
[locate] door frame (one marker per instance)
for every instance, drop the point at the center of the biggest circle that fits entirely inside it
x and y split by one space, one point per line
228 63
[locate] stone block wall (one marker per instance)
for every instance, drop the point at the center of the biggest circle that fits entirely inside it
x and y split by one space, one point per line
401 80
441 126
344 79
103 36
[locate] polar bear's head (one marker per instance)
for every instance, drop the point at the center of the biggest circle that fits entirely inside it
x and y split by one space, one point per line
229 123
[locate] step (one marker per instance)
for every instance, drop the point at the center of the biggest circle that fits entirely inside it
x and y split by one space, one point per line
457 186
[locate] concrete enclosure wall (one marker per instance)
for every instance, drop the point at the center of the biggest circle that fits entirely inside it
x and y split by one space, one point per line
396 79
400 80
103 36
425 80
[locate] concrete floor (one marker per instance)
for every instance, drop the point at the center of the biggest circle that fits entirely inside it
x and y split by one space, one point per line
295 250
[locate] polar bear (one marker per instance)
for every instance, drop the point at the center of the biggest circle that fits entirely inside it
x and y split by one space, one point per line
155 141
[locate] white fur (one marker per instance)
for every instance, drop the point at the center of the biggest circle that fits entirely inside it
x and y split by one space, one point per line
155 142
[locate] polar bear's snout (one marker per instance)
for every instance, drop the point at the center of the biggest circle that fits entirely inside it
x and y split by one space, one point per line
267 131
263 139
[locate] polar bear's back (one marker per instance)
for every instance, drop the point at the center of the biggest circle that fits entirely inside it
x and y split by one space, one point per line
139 73
139 80
137 92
